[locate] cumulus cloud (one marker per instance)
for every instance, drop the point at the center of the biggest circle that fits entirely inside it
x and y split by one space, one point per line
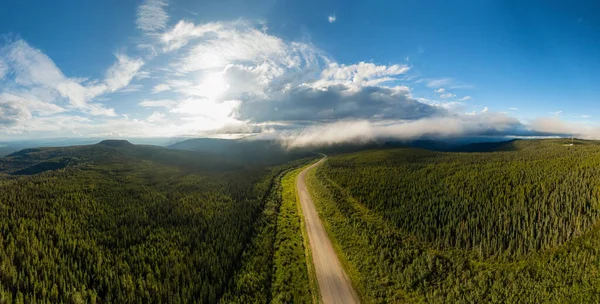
337 102
332 18
242 75
232 77
151 16
236 44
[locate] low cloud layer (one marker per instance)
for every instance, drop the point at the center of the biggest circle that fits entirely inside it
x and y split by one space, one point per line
555 126
361 131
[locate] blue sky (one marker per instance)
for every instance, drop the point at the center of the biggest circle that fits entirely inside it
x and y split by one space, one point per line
303 71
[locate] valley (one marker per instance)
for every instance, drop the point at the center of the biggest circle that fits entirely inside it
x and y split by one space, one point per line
114 222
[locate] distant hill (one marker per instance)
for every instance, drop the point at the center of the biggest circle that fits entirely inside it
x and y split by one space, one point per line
7 150
38 160
487 146
115 143
207 144
253 152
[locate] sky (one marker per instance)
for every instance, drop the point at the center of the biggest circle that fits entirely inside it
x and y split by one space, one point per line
306 72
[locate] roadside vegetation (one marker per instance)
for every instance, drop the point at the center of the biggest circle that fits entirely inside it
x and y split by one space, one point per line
274 267
292 283
513 226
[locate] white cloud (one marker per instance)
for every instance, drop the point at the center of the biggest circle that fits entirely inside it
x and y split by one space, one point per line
162 103
29 103
120 74
555 125
156 117
205 108
183 32
359 75
447 95
447 82
436 83
151 16
236 44
513 109
586 116
36 76
331 18
365 131
161 88
556 113
230 77
485 110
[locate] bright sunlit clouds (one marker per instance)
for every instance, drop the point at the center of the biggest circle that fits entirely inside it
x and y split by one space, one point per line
213 86
186 76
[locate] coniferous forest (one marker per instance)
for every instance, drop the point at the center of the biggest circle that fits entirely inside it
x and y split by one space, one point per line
515 225
119 223
122 223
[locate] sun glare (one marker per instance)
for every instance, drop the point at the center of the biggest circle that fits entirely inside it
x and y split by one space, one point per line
213 86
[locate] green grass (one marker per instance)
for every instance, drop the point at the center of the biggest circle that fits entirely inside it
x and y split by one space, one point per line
292 283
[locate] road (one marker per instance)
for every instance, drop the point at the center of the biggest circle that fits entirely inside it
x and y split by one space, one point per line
334 283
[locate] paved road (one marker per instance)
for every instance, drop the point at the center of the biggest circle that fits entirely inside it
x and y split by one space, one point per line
334 283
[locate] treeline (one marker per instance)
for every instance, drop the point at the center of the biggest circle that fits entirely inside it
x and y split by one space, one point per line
125 229
502 227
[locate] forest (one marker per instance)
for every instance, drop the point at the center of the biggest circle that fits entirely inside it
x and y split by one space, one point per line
121 223
517 224
513 222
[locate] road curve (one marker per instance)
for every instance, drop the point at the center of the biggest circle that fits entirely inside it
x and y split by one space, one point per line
334 283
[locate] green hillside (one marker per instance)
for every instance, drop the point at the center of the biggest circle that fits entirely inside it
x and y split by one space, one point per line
120 223
516 225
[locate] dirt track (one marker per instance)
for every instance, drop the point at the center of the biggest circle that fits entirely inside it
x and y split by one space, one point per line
334 283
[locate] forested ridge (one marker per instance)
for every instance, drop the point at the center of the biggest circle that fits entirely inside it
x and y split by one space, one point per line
517 226
118 223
